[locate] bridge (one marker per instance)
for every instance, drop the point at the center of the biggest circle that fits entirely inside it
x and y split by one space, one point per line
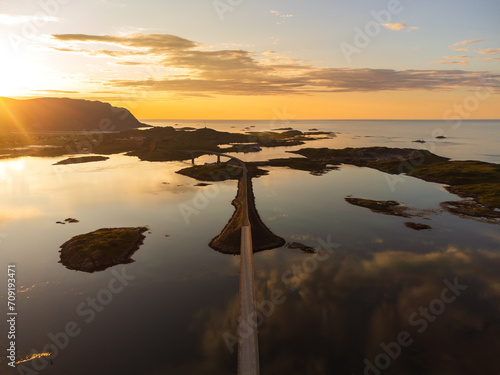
248 346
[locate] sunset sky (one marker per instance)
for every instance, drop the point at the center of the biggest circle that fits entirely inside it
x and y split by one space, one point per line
254 59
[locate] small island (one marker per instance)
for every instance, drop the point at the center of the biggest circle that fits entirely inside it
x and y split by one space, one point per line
417 226
381 207
466 178
82 159
301 246
101 249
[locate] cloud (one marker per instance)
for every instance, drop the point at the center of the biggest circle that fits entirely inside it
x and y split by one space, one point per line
318 80
57 91
459 57
7 19
492 59
394 26
466 42
413 28
462 62
284 17
488 51
203 71
353 304
461 49
276 13
154 43
130 63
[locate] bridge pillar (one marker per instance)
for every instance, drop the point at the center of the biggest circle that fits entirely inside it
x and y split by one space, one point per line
192 159
218 159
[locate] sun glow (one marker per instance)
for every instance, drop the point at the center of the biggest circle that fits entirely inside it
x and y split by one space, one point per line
11 70
8 79
19 74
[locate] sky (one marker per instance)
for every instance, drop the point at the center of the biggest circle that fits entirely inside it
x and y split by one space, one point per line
258 59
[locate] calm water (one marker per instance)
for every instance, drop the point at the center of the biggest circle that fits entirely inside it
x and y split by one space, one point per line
475 140
176 310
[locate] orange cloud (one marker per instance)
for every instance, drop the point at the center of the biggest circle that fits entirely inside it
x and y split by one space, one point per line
488 51
466 42
241 72
394 26
462 62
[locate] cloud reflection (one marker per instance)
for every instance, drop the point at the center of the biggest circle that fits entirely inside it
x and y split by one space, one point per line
344 310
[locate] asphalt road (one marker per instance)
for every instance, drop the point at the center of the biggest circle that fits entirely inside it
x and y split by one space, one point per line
248 341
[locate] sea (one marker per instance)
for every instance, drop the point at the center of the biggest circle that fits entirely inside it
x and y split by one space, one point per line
377 297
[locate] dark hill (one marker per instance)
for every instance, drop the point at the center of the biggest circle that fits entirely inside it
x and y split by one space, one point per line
52 114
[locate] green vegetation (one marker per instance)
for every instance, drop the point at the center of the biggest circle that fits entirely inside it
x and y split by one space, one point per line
390 160
103 248
475 179
469 208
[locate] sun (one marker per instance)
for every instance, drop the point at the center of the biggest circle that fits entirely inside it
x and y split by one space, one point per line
19 75
12 69
9 85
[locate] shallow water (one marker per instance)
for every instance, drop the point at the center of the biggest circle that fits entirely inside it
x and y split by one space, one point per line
177 311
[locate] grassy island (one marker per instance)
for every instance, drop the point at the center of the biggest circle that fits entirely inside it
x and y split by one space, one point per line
468 179
100 249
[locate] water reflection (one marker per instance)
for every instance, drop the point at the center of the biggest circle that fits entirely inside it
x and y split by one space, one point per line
348 307
172 317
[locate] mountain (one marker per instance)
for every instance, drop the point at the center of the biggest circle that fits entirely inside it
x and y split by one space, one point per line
52 114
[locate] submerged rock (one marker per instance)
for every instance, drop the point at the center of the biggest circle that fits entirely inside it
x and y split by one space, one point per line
301 246
417 226
382 207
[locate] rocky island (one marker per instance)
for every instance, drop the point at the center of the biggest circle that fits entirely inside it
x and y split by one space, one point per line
468 179
100 249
